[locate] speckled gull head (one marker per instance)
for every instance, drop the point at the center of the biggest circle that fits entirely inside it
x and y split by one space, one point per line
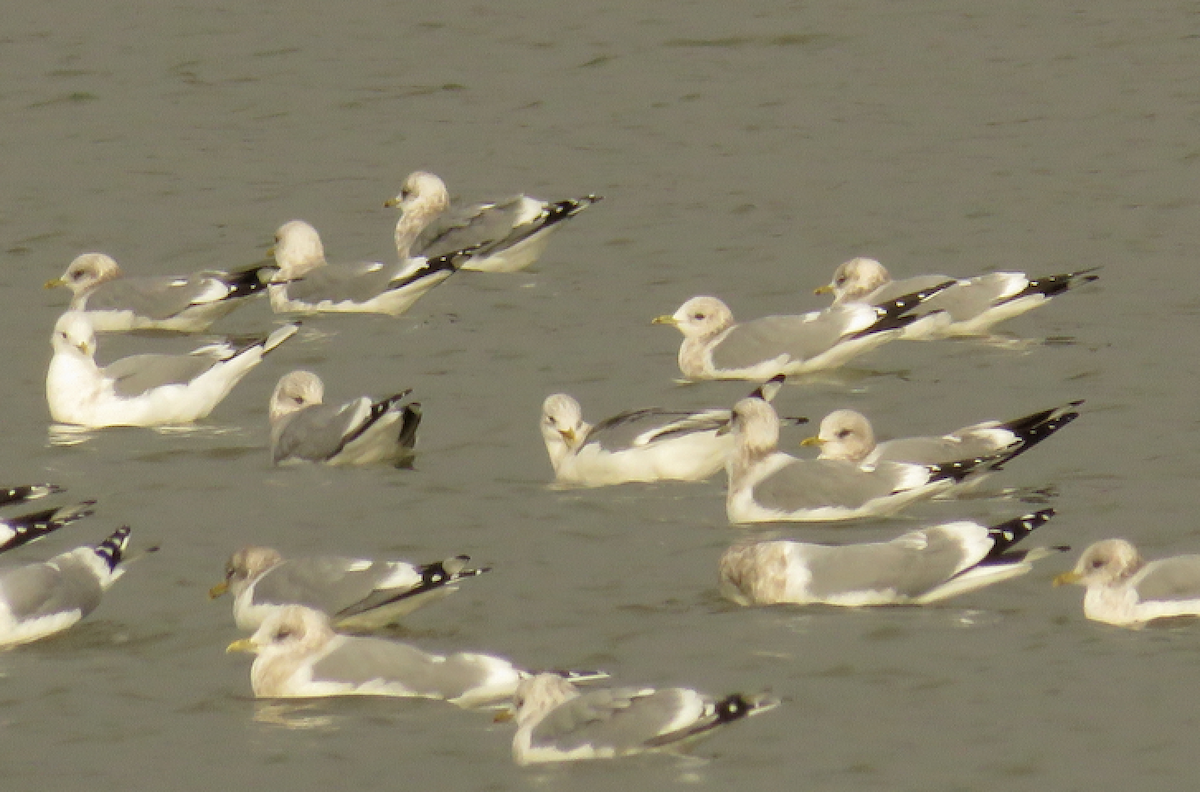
422 197
1104 563
700 317
755 427
86 271
295 391
844 434
297 250
855 279
243 567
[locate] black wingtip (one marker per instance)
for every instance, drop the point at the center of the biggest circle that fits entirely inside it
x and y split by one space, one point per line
1008 533
112 549
27 492
1052 285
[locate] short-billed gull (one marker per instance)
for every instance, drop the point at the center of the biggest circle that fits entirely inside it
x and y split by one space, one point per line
916 568
38 600
25 528
716 347
503 236
556 722
848 435
766 485
359 432
637 445
306 284
300 656
185 304
143 390
969 307
1126 590
356 593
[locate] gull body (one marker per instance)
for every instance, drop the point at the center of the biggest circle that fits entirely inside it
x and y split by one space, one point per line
1125 589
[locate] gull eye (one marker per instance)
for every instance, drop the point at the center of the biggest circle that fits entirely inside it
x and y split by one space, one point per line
284 633
843 434
698 316
840 280
1097 563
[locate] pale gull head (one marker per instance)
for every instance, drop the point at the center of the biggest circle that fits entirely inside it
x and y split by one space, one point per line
295 391
297 250
855 279
700 317
73 335
1106 563
244 567
844 434
563 428
86 272
422 197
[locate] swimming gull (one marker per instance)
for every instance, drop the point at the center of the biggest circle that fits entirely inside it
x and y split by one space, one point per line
846 434
637 445
716 347
143 390
300 656
356 593
916 568
185 304
27 492
38 600
970 307
1126 590
359 432
26 528
766 485
305 283
504 236
556 722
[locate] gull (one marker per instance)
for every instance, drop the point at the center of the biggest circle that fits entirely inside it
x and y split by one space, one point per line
970 306
359 432
305 283
557 723
637 445
300 656
716 347
847 435
143 390
184 304
26 528
766 485
916 568
1126 590
356 593
39 600
504 236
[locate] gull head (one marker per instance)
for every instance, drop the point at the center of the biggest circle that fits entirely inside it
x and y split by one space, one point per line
86 271
295 391
699 317
855 279
421 192
844 434
562 423
73 335
1104 563
538 694
297 250
243 567
293 630
755 427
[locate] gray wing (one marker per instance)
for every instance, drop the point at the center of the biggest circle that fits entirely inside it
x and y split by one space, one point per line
935 450
134 375
817 483
894 289
1170 579
41 590
362 660
798 337
910 565
616 719
326 583
318 432
970 298
483 225
157 298
621 430
342 283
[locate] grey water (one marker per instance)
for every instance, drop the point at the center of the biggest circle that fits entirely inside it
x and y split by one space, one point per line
743 150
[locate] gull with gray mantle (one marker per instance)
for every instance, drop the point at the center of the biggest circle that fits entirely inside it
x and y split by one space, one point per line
638 445
556 722
766 485
184 304
39 600
1127 590
916 568
969 307
502 236
305 283
355 593
300 656
359 432
716 347
143 390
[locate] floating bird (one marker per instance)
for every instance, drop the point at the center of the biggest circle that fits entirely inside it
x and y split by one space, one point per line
305 283
504 236
916 568
39 600
143 390
300 656
1126 590
766 485
557 723
716 347
359 432
184 304
969 307
356 593
26 528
